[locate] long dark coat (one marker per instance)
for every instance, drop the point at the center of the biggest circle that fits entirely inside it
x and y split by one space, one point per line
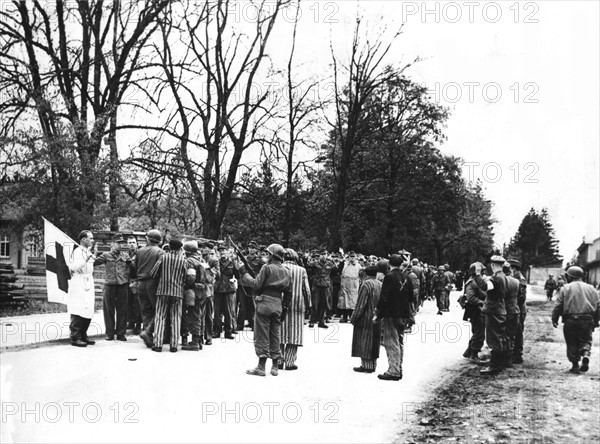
366 336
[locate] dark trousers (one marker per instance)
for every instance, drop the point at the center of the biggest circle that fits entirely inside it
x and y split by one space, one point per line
192 321
578 336
114 298
79 327
495 332
267 327
549 294
512 327
477 333
134 312
440 299
246 307
335 296
518 350
209 313
319 297
223 307
147 297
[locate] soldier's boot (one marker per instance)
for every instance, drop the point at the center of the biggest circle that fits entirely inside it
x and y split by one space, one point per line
495 365
585 364
474 358
575 367
192 346
467 353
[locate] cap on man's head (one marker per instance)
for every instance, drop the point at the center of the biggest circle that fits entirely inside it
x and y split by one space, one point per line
208 245
441 268
446 267
222 247
515 263
415 261
351 254
252 244
496 259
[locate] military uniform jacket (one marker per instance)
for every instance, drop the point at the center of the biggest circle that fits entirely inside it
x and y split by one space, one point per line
440 281
512 295
495 302
577 299
322 273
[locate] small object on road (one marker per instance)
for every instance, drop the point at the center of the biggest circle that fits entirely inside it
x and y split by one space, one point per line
426 422
132 359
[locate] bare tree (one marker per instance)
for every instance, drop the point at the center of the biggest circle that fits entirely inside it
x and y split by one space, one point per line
354 85
216 112
69 65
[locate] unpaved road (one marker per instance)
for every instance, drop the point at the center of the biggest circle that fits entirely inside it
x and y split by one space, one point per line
537 402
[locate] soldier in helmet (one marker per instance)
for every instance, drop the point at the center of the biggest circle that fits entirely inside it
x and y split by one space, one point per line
195 296
550 286
441 285
579 305
145 259
273 289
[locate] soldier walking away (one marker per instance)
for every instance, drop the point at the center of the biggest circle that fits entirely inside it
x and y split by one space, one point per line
441 284
579 305
550 286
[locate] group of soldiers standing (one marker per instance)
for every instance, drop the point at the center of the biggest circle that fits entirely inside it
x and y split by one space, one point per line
178 289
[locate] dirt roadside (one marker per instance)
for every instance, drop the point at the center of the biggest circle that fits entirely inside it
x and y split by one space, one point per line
535 402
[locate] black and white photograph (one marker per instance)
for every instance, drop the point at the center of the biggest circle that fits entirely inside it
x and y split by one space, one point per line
299 221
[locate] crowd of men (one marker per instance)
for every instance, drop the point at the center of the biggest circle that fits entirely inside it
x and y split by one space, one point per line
180 292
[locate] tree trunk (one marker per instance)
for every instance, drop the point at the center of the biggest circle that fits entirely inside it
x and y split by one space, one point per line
113 174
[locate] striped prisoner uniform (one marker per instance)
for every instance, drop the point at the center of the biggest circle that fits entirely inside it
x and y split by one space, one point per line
293 324
171 271
366 335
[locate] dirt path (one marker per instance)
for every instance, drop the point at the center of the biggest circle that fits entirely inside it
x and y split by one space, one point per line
538 401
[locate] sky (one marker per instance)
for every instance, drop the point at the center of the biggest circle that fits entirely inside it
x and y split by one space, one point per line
522 83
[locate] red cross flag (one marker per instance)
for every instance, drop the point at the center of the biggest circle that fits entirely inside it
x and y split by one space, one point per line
59 248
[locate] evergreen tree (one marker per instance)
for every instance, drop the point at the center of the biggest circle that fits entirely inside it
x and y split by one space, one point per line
534 242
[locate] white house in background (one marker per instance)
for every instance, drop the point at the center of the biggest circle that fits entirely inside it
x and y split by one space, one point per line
589 259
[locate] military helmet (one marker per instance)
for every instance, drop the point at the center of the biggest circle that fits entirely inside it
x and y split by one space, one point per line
475 268
575 272
191 246
154 235
276 250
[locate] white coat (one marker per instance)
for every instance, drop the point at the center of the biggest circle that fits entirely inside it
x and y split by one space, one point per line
81 296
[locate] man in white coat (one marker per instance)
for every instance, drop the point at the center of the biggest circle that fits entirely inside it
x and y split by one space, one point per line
81 296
